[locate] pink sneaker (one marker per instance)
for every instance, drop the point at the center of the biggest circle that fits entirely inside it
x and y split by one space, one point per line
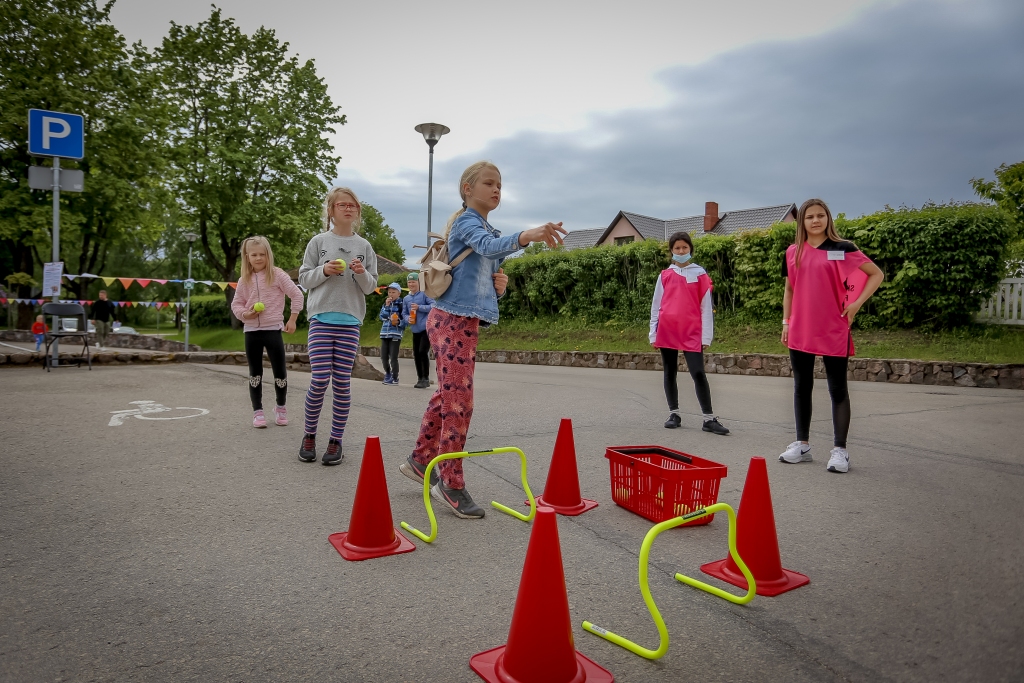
259 420
281 416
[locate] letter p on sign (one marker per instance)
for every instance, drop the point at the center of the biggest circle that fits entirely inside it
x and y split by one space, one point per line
55 134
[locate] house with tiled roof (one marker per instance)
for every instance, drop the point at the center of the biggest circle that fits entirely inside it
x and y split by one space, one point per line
629 227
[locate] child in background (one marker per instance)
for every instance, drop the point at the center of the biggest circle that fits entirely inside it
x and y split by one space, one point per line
682 319
822 273
339 269
471 301
391 333
39 330
415 309
259 304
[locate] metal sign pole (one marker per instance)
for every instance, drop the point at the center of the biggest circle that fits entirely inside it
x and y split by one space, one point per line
55 347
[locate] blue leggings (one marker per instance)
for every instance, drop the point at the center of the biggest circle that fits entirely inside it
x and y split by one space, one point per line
332 352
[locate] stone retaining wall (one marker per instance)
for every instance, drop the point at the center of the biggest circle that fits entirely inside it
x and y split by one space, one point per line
119 341
768 365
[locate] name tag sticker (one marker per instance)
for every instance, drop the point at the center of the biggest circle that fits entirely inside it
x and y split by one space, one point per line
690 278
837 256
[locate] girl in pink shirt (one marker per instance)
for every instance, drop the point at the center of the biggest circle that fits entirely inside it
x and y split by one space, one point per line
827 282
259 303
682 320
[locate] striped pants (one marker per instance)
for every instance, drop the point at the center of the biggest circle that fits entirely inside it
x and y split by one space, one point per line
332 352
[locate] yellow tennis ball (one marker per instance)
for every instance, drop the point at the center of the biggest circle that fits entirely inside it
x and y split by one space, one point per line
341 263
258 307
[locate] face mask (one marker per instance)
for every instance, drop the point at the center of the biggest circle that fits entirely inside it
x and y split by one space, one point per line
681 259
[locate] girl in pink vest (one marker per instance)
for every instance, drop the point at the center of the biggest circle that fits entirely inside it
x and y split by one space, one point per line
827 282
682 320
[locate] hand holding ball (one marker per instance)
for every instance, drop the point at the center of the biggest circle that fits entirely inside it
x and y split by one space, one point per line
258 307
341 264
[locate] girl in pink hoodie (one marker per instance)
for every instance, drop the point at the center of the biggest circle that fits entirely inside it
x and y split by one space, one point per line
259 303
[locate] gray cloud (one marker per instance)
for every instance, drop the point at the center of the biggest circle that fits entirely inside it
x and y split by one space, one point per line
902 106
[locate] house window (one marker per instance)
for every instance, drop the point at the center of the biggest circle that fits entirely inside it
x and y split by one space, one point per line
619 241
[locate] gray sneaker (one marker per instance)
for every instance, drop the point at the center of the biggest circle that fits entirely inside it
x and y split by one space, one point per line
414 471
458 500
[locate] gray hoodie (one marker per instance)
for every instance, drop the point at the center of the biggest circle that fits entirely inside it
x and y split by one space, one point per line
345 293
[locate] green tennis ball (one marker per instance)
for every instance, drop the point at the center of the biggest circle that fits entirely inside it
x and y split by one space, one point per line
258 307
341 262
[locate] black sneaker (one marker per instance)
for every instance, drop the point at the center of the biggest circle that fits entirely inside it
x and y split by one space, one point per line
414 471
715 427
458 500
307 450
673 421
422 383
333 455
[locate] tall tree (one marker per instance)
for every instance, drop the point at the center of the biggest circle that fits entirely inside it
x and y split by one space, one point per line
65 55
1007 191
248 144
380 235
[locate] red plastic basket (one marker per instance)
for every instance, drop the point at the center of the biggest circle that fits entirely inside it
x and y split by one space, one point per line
660 483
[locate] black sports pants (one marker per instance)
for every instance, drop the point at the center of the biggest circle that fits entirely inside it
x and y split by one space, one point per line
389 356
695 364
272 341
803 385
421 354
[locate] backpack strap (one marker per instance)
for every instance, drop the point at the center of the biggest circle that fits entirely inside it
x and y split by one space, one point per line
461 257
435 235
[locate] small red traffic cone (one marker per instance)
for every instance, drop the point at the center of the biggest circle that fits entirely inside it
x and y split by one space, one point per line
540 646
562 489
371 532
757 541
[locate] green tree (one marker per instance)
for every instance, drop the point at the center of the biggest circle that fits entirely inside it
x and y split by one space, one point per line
248 147
380 235
66 55
1007 191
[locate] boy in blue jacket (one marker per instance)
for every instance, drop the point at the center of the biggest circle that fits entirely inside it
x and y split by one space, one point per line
415 309
391 333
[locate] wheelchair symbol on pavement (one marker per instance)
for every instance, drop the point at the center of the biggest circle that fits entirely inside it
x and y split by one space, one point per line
147 408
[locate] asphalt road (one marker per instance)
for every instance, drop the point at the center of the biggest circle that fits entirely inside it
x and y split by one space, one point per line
195 549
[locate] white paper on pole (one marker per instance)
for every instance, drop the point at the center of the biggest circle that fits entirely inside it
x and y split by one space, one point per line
51 278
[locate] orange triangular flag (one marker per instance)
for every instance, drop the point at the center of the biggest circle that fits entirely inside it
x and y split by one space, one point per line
125 281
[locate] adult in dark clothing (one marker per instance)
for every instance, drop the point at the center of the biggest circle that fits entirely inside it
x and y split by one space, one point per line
103 312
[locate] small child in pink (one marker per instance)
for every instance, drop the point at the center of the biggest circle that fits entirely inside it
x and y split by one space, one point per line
827 281
259 303
682 319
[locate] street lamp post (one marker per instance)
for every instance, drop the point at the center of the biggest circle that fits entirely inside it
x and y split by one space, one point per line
432 133
189 284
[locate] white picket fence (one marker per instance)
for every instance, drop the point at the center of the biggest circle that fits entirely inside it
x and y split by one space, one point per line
1006 307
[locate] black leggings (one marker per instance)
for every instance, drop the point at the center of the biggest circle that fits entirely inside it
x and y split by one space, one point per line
803 385
695 364
421 354
389 356
272 341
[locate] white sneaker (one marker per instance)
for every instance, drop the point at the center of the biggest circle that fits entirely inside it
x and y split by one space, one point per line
796 452
840 460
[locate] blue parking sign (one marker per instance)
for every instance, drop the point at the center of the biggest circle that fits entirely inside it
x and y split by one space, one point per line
55 134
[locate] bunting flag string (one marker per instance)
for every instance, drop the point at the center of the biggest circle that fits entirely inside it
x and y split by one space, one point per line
89 302
143 282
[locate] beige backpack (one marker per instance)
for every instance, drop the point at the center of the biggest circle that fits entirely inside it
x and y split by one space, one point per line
435 269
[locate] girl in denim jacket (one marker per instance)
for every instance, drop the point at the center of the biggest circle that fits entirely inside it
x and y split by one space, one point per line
453 325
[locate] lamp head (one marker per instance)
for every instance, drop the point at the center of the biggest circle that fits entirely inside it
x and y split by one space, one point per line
191 237
432 132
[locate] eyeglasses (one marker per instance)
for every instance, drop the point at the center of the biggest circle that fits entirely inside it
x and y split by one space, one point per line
346 206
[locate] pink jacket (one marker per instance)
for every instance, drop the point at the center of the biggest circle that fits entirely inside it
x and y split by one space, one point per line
272 296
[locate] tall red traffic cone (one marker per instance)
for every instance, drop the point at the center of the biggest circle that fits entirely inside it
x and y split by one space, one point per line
562 489
371 531
757 541
540 646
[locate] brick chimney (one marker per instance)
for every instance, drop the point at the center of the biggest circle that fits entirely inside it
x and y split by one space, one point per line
710 216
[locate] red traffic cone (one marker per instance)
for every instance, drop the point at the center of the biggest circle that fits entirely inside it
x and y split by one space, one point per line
371 532
562 489
540 646
757 541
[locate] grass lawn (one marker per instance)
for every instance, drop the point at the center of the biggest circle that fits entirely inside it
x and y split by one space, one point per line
980 344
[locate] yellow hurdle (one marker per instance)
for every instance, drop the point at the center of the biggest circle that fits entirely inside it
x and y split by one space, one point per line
645 588
472 454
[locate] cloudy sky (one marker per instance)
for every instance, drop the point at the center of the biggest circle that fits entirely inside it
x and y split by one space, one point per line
654 107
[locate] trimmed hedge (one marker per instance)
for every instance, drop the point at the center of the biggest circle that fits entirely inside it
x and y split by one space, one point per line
941 262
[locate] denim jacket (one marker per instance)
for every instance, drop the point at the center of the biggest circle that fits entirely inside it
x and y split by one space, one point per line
424 303
471 293
387 330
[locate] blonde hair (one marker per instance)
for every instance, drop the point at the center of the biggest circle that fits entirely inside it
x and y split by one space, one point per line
248 244
332 197
469 177
801 230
